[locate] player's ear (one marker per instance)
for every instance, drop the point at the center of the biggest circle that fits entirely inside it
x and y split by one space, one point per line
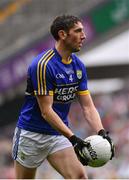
62 34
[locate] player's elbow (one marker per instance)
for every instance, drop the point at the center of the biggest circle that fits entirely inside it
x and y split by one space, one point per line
45 113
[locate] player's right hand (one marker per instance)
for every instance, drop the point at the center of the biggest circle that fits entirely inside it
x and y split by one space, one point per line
78 145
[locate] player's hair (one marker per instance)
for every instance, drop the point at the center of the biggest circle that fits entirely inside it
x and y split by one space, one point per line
63 22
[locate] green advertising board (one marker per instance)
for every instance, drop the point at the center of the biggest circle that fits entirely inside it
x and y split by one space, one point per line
109 15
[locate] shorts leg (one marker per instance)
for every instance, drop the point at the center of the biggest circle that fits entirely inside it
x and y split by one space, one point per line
30 149
26 151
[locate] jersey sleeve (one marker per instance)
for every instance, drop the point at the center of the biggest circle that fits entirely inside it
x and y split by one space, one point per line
83 86
41 76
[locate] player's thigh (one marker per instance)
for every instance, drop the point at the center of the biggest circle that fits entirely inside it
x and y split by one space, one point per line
66 163
24 172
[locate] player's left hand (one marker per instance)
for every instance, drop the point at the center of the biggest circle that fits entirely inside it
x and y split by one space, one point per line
78 145
105 135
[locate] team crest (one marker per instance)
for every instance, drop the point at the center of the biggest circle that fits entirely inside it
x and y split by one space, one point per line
79 74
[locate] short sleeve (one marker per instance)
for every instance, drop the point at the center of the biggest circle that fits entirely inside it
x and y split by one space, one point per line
41 76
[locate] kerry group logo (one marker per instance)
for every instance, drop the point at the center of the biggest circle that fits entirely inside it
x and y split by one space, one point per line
65 94
60 76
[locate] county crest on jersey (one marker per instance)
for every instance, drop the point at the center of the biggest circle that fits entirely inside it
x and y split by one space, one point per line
79 74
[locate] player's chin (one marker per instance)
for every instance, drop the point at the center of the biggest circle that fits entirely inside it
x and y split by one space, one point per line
76 49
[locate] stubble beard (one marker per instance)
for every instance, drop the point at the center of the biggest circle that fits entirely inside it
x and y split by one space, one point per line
75 49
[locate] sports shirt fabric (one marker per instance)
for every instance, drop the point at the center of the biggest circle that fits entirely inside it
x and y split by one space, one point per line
49 74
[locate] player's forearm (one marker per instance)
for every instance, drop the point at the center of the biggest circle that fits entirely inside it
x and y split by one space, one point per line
54 120
93 118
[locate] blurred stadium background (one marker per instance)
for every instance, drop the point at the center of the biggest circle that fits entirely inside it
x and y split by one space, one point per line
24 32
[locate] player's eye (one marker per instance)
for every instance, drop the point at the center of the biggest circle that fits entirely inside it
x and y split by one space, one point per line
78 30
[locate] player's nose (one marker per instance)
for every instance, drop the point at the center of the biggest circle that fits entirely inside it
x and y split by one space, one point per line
83 36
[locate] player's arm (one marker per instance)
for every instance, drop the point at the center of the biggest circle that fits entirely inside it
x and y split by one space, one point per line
45 104
93 118
90 112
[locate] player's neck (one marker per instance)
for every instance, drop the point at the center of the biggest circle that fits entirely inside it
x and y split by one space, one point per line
64 53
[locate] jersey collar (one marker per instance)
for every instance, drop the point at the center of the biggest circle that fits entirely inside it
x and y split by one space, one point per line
63 60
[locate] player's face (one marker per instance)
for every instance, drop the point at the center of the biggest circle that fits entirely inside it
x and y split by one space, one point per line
75 38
